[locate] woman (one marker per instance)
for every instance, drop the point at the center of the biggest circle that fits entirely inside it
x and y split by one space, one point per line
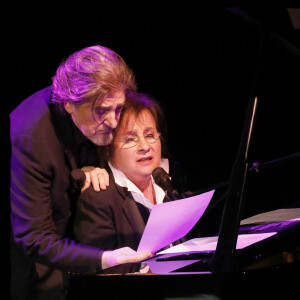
116 217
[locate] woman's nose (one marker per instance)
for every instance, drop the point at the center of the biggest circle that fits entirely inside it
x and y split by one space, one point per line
142 144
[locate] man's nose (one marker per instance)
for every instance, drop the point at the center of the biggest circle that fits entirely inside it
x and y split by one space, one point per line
111 119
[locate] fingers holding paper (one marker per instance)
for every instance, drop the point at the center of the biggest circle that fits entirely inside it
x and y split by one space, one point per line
122 256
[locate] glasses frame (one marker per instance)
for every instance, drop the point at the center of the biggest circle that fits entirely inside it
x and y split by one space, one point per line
138 139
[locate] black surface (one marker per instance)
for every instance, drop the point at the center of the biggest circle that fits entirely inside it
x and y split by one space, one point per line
268 283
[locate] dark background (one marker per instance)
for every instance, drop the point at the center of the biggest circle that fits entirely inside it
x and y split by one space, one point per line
202 65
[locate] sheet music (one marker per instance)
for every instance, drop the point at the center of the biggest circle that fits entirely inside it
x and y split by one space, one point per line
171 221
210 243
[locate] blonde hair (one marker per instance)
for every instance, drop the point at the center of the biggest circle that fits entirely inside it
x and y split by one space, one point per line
90 75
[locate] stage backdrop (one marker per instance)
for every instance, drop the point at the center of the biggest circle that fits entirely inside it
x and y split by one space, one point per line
202 65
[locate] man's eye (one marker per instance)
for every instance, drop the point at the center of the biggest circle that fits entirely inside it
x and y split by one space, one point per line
119 109
100 110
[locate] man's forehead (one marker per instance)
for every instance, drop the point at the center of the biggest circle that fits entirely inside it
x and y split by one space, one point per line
113 101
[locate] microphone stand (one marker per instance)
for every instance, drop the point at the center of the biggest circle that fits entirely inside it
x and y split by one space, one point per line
257 167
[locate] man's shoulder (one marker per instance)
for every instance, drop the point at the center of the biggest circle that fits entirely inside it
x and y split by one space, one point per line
31 112
38 99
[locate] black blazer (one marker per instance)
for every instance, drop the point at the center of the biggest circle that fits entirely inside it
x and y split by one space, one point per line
110 219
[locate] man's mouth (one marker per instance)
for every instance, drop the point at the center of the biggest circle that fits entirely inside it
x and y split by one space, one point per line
103 132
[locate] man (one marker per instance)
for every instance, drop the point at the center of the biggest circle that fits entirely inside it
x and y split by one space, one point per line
54 131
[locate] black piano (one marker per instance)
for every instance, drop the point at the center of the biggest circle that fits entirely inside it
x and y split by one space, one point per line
265 270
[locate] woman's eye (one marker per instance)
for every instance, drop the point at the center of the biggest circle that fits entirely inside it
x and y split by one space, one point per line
129 140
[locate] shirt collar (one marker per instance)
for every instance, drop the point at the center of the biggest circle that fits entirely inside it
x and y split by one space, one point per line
122 180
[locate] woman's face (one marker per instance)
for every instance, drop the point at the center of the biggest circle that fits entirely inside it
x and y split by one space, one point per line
137 160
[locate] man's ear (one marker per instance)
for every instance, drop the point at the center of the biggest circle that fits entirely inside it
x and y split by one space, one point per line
69 107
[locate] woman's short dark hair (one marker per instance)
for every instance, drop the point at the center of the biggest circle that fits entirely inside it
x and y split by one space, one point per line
135 104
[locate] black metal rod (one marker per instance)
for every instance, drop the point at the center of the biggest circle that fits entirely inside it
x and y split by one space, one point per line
222 260
281 42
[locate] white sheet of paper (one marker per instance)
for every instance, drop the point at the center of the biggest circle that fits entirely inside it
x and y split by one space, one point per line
210 243
171 221
168 266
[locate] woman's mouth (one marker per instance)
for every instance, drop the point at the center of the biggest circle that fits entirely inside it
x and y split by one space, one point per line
145 160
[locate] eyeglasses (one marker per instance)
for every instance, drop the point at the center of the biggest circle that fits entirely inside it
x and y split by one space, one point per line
132 140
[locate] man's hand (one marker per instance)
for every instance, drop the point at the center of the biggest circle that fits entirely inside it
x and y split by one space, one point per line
122 256
98 177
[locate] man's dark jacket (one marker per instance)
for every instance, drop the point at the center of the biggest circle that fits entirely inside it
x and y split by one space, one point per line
45 147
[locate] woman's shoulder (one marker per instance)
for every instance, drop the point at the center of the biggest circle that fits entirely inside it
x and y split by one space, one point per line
111 193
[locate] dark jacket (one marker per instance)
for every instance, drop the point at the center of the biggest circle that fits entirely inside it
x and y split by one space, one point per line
110 220
45 147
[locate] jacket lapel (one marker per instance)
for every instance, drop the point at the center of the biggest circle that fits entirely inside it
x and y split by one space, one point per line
132 212
134 216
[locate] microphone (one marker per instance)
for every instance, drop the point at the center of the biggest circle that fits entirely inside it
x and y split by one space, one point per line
77 178
162 178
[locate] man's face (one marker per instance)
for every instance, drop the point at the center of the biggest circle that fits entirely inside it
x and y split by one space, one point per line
97 123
